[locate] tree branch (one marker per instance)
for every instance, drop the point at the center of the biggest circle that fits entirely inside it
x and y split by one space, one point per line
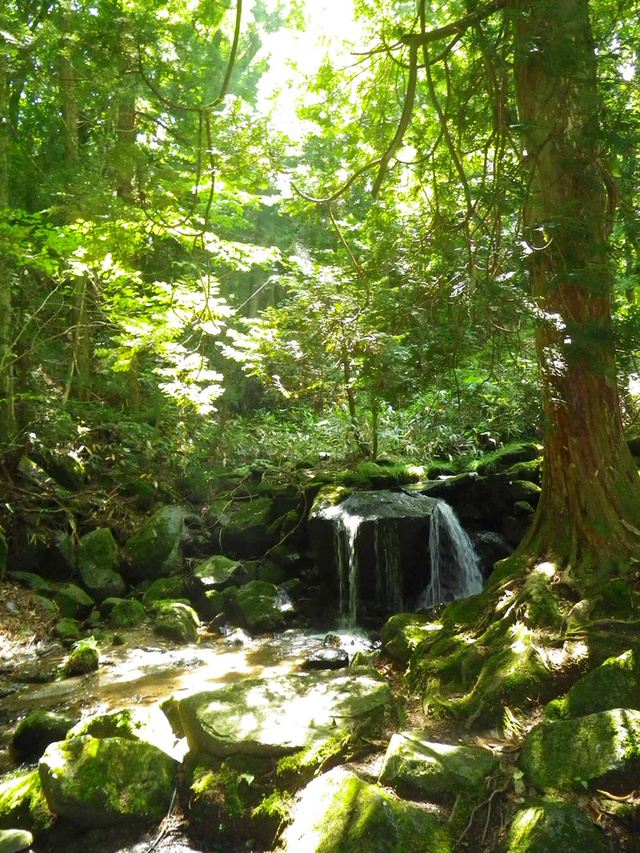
418 39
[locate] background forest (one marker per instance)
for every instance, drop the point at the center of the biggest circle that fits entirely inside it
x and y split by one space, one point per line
171 299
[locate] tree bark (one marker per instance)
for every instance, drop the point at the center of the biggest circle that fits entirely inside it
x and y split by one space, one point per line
588 517
7 413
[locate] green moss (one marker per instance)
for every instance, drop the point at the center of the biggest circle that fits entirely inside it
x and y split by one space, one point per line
84 658
402 633
219 802
271 816
615 598
507 456
613 684
294 771
127 613
22 802
176 621
257 512
328 496
545 825
511 567
67 629
531 471
34 734
165 588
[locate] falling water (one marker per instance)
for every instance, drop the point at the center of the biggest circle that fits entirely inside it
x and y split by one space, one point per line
455 571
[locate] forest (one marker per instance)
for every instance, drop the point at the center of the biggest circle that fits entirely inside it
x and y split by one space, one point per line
319 426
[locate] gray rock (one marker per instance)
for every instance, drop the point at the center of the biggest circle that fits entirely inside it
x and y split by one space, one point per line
97 565
275 716
99 782
149 725
340 812
415 764
15 840
326 659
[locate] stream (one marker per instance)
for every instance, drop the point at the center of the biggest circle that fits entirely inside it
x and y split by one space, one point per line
146 671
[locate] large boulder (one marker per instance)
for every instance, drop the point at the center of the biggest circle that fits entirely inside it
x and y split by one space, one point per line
35 582
165 589
613 684
97 564
22 803
127 613
283 714
257 605
247 532
139 723
602 749
40 728
339 812
97 782
155 550
415 764
401 634
544 826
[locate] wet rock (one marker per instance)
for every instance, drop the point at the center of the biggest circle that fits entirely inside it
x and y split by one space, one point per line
274 716
155 550
602 749
127 613
490 547
97 565
294 588
67 630
414 764
149 725
73 601
15 840
401 634
247 533
22 803
613 684
97 782
84 658
176 621
218 573
38 730
326 659
165 589
545 825
339 812
257 606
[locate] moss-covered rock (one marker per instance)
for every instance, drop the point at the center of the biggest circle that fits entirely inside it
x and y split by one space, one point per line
531 471
97 782
524 491
247 533
295 771
15 840
35 582
507 456
339 812
127 613
257 605
615 598
272 573
281 714
84 658
155 550
73 601
218 572
165 589
327 497
176 621
602 748
545 826
613 684
22 802
149 725
48 607
67 630
97 564
536 604
402 633
271 816
415 764
34 734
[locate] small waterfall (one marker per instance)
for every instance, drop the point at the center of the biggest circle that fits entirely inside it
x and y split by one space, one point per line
346 529
455 571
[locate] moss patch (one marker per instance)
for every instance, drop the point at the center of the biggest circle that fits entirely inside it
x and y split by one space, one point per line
22 802
84 658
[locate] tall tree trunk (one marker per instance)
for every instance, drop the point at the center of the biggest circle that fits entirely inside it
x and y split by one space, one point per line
79 364
7 414
126 139
69 112
588 517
